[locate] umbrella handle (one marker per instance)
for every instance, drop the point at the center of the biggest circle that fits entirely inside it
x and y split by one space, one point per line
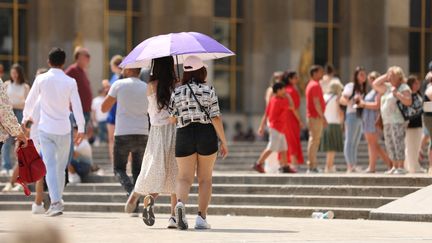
178 68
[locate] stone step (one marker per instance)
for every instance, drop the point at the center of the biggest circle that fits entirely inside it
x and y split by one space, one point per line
371 191
233 210
416 180
229 199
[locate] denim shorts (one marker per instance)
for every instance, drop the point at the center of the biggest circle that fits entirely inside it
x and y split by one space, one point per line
196 138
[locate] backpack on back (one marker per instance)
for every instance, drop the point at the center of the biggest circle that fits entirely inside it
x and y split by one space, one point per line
31 166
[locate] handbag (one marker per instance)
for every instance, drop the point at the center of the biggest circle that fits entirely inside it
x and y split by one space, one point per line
31 167
413 111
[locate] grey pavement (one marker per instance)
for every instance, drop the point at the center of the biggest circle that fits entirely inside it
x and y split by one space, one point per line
116 227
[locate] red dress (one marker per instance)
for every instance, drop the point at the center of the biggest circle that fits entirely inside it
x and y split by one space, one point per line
292 134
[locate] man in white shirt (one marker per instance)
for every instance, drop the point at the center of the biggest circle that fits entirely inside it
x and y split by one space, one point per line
57 92
132 126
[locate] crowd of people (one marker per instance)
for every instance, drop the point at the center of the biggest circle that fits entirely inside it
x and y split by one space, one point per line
392 107
168 128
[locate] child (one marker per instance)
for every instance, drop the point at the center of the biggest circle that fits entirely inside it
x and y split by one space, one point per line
99 118
276 112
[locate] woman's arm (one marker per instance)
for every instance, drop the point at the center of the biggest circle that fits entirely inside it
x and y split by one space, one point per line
218 125
379 84
375 105
404 97
262 124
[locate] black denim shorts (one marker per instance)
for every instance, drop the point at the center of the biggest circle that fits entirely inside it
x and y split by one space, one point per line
196 138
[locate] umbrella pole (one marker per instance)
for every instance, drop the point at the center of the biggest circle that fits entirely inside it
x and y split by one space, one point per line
178 68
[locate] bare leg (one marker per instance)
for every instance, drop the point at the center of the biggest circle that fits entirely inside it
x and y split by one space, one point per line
14 177
110 130
372 150
39 192
430 162
330 161
294 162
264 155
204 174
173 203
283 161
186 174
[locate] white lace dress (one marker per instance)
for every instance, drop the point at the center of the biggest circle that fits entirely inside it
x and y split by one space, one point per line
159 167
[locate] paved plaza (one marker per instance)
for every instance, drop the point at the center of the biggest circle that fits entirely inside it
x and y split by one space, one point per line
117 227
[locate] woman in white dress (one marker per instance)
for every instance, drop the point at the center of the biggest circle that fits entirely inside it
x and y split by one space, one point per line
159 168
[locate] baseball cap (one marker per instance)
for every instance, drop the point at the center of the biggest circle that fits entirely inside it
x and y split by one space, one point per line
193 63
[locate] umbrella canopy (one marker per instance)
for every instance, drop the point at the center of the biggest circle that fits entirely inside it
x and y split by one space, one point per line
182 45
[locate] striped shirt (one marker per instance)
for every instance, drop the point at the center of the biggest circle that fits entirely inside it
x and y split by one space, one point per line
184 107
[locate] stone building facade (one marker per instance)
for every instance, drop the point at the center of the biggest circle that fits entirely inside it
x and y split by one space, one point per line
267 35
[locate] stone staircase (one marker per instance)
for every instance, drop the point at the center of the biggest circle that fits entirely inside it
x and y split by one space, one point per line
239 191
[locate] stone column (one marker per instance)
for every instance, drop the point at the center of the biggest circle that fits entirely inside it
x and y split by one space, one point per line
53 25
363 37
397 17
267 48
89 18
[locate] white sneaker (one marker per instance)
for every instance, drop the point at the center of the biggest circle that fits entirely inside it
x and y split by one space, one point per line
201 223
180 213
74 178
4 172
100 172
172 223
400 171
38 209
55 209
17 188
8 187
391 171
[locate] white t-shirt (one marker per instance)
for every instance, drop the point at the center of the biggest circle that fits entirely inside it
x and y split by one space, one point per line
347 92
96 107
332 109
132 106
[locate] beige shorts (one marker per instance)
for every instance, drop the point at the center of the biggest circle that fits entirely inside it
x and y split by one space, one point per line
277 141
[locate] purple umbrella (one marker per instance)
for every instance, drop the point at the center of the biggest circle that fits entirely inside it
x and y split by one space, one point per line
181 45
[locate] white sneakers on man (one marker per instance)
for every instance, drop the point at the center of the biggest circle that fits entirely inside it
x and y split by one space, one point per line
201 223
55 209
74 178
38 209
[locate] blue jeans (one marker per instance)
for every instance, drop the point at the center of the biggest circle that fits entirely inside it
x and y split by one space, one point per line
353 128
9 144
102 131
55 149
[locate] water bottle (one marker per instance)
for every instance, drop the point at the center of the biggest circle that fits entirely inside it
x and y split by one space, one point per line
321 215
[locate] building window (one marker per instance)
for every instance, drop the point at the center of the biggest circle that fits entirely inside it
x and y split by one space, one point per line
420 36
13 33
326 42
121 18
228 72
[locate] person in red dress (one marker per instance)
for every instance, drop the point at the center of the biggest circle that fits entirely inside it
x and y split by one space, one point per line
295 124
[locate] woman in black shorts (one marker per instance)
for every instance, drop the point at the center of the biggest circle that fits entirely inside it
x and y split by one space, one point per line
194 108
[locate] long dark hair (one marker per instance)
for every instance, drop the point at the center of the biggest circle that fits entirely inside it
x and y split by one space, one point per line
287 76
361 88
20 71
163 72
